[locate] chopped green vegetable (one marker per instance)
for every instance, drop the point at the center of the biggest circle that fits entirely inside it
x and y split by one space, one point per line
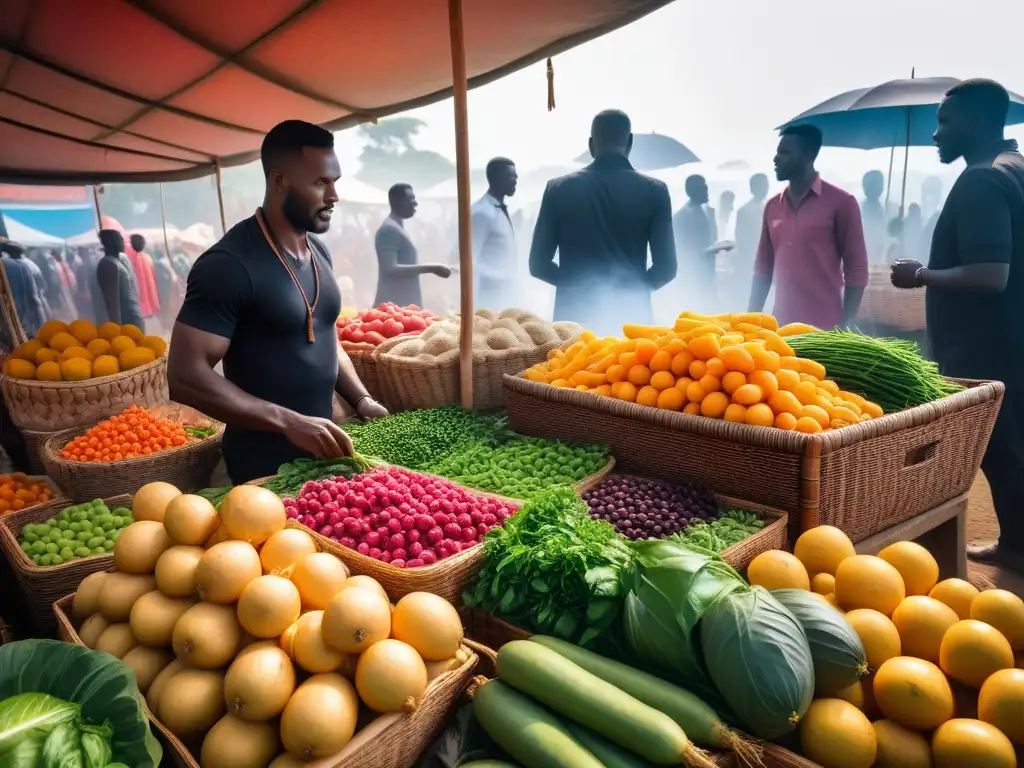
552 569
292 476
201 433
889 372
718 535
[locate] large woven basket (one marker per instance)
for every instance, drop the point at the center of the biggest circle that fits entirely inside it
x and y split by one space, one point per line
34 448
411 383
862 479
895 308
40 585
51 406
364 362
389 741
187 467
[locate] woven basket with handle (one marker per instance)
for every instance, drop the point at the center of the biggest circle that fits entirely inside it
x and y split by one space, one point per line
895 308
365 364
186 467
861 479
51 406
394 740
40 585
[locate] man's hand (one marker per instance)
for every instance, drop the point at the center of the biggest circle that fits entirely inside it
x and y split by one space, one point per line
369 409
320 437
906 273
441 270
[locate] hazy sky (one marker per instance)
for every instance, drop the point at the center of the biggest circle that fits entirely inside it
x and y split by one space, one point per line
719 75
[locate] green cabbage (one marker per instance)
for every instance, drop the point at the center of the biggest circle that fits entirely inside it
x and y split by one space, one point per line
758 657
47 683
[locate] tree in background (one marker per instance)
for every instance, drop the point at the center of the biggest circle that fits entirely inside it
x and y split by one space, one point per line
390 156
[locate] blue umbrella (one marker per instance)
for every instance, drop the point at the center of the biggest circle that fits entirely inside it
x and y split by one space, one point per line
899 113
653 151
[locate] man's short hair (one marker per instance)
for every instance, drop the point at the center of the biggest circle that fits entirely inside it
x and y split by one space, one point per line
808 135
495 165
138 242
398 192
693 183
111 240
611 127
289 139
986 98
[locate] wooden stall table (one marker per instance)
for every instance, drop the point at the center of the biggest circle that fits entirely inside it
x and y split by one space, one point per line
942 531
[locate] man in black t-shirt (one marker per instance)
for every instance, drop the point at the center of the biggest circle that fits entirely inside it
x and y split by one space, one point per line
264 300
975 287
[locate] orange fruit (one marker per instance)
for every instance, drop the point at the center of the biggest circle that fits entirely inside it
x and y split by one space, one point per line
705 347
105 365
121 344
63 340
765 380
694 392
692 409
81 352
748 394
48 372
639 375
808 425
760 415
644 350
786 402
49 329
776 569
47 355
663 380
698 369
76 369
710 383
957 594
671 399
922 622
109 331
155 343
627 391
732 381
682 383
878 634
866 581
737 358
647 396
133 332
661 361
714 404
716 367
816 413
821 549
736 412
788 380
916 565
785 421
19 369
681 363
98 347
913 692
604 389
83 330
616 373
972 651
628 359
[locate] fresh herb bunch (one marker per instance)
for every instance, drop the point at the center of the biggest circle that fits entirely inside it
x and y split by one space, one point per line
718 535
201 433
417 439
521 467
552 569
890 372
291 476
215 495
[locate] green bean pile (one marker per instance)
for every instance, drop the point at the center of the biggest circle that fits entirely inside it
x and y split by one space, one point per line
718 535
890 372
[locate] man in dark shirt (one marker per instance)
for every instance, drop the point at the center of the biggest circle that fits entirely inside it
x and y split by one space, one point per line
264 301
975 287
601 220
695 232
748 235
398 270
118 299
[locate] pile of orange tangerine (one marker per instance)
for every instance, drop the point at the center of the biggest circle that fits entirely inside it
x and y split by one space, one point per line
18 491
735 367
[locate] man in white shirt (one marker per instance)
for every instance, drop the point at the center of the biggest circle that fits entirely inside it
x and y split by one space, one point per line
495 267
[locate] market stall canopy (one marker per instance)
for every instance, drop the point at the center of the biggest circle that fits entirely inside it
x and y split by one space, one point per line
20 233
150 90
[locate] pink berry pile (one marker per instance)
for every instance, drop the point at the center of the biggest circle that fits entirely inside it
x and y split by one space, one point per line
397 516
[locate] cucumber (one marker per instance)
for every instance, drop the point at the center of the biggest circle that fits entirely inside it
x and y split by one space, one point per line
612 755
573 692
527 731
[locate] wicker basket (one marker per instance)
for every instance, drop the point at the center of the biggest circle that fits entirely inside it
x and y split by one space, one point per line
364 362
6 632
187 467
412 383
862 479
41 585
895 308
34 448
389 741
52 406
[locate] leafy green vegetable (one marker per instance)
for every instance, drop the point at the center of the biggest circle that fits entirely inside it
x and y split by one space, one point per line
554 570
670 588
718 535
290 477
214 495
103 687
26 722
201 433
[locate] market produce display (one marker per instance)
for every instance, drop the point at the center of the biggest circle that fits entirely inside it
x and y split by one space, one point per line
552 569
891 372
396 516
247 641
130 434
79 350
475 450
18 490
651 509
63 705
388 320
82 530
511 329
736 367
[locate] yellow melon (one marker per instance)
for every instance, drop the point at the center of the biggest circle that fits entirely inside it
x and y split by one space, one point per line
1001 703
320 717
865 581
268 606
957 594
922 622
151 500
879 635
835 734
971 651
913 692
83 330
105 365
861 695
823 583
965 743
306 645
916 565
821 549
1003 610
428 623
49 329
900 747
355 619
237 743
776 569
391 676
319 577
109 331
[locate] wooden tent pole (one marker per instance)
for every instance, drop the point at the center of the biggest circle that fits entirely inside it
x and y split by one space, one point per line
459 90
220 200
96 203
163 222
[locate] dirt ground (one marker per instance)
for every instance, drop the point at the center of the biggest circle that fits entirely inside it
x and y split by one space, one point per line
981 525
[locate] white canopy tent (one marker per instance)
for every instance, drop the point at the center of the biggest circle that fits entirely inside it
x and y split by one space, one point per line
20 233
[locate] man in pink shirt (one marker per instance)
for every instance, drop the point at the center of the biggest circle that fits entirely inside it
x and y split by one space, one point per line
812 242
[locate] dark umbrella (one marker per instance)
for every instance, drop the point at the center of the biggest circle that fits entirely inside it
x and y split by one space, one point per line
653 151
893 114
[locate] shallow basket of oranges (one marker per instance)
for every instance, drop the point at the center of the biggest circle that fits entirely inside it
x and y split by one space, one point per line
74 374
20 491
120 454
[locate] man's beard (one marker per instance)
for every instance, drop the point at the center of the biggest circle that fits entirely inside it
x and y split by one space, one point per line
297 214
